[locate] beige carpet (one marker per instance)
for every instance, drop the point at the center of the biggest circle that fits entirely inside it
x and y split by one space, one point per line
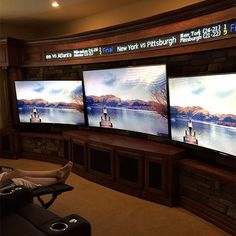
112 213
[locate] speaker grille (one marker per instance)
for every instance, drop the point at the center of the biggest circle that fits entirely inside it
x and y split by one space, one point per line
66 149
78 154
128 168
155 174
100 161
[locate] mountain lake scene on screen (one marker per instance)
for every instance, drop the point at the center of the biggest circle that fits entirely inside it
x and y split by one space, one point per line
203 111
132 99
57 102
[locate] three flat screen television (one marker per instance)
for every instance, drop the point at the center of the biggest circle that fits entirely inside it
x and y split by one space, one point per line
196 110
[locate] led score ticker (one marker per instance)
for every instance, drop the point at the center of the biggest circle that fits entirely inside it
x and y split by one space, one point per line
197 35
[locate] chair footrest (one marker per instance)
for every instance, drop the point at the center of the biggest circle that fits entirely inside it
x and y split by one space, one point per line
55 190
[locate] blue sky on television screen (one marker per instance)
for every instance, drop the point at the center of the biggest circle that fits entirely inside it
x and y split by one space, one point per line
52 91
216 94
125 83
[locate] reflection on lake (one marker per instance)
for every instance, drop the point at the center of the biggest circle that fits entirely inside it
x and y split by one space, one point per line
133 120
217 137
53 115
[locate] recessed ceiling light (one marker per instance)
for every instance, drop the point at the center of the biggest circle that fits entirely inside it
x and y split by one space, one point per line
55 4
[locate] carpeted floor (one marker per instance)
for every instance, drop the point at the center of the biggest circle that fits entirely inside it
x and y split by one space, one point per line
112 213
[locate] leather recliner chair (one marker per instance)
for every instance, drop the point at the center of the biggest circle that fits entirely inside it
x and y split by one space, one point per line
20 216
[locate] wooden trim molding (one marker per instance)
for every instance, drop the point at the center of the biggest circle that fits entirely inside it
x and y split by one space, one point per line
3 54
9 52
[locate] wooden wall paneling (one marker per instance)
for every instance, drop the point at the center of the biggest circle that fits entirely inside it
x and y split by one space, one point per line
14 73
10 52
14 52
4 62
31 55
4 100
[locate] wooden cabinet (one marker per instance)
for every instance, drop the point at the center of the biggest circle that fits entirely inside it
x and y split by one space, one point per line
143 168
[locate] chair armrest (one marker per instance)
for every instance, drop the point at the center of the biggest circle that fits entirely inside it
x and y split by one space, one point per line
14 197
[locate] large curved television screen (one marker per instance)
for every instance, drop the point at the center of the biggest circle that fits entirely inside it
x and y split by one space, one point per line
131 99
55 102
203 111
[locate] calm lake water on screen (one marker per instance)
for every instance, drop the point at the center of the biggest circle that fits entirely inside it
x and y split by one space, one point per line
128 119
217 137
53 115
